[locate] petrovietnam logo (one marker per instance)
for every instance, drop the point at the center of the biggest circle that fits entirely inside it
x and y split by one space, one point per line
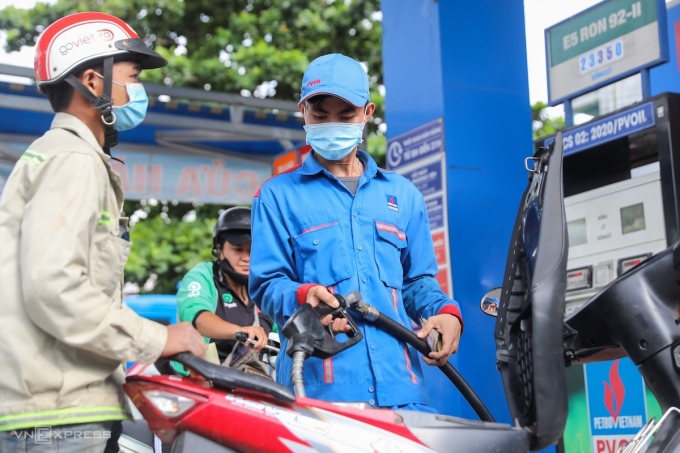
614 396
614 392
85 40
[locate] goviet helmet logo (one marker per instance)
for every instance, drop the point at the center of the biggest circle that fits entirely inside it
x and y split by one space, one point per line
104 34
614 391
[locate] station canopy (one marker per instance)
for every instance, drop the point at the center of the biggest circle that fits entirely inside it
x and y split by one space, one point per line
193 146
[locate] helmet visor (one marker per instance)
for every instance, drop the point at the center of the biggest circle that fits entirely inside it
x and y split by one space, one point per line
147 57
236 237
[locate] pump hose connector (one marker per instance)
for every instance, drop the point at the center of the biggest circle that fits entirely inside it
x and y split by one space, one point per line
296 373
356 303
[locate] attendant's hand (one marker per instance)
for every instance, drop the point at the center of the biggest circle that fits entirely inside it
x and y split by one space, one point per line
449 328
320 294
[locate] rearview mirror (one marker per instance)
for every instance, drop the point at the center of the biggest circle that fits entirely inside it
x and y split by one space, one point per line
490 302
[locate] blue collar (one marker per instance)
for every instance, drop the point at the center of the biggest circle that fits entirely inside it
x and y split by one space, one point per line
311 166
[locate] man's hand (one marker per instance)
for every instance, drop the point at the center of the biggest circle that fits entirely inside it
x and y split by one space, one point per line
450 328
320 294
183 337
256 333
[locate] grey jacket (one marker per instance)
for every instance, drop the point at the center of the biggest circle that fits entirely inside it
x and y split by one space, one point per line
64 331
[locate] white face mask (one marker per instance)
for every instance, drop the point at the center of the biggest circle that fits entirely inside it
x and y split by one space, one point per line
333 141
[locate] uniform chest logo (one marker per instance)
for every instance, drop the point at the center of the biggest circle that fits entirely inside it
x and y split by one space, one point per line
392 203
228 300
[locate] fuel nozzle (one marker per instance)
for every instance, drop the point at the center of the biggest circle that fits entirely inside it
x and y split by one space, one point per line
306 333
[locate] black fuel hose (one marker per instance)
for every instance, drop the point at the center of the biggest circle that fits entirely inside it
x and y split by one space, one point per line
402 333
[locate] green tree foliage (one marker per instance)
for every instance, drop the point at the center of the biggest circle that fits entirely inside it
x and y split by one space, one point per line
544 124
253 47
167 241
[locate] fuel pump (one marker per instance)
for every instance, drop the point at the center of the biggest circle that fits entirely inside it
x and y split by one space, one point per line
622 205
621 199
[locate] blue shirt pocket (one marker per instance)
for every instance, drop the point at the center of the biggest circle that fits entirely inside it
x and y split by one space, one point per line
389 243
322 254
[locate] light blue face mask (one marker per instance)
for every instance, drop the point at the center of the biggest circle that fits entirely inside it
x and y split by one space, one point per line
132 114
333 141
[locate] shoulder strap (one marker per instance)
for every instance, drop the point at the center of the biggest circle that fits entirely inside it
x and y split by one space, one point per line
76 134
70 130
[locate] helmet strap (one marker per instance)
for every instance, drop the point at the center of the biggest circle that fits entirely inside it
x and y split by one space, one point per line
103 103
105 106
241 279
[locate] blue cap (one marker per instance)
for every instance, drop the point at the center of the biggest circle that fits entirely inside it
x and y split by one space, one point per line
337 75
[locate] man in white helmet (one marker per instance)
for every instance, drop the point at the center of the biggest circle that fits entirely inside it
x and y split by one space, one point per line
64 331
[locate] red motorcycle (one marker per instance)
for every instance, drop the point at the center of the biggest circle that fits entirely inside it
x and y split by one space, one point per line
226 410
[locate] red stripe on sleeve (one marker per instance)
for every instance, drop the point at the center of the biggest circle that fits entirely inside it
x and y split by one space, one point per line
453 310
302 291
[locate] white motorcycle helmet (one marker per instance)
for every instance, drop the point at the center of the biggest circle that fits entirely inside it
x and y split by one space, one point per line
87 39
90 37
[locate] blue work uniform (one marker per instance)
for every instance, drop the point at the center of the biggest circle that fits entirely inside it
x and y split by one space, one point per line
312 229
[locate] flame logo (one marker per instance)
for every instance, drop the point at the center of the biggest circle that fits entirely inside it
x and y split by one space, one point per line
614 391
106 35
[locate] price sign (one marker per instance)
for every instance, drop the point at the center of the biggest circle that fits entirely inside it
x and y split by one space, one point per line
605 43
600 56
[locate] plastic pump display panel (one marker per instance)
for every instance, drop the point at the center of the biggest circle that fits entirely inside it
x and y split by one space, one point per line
611 229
